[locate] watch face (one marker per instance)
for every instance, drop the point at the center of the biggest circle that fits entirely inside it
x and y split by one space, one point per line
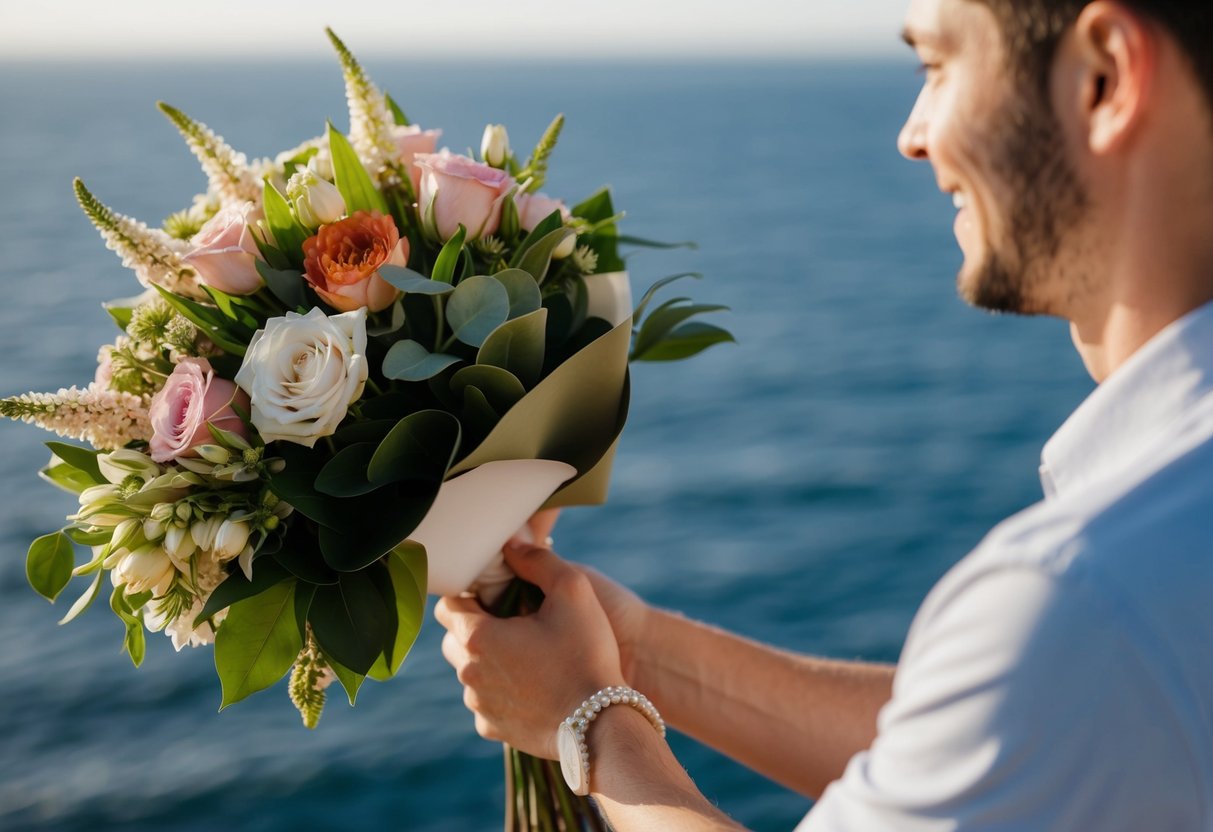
570 759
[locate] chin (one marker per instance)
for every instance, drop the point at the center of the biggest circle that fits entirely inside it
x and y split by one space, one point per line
994 286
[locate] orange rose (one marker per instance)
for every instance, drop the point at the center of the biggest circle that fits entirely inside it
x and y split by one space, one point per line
342 261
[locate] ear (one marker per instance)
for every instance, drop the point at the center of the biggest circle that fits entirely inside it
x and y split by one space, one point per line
1116 52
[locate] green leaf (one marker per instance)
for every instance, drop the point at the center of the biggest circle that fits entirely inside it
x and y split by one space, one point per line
643 243
345 473
599 210
82 459
522 289
352 180
85 600
350 620
82 537
48 564
420 447
407 567
286 285
349 680
401 120
67 477
657 287
411 282
276 258
349 543
289 233
233 308
266 573
685 341
518 346
227 335
552 222
121 314
500 387
477 307
664 318
539 256
410 361
257 643
133 642
448 258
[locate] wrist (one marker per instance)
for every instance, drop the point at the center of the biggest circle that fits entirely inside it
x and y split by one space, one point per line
573 740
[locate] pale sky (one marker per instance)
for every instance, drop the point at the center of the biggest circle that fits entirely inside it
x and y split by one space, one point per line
114 29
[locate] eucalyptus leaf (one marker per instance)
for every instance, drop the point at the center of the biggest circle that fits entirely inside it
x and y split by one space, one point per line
409 361
477 307
478 416
257 643
48 564
345 473
350 620
522 289
518 346
289 233
448 258
420 447
407 569
286 285
82 459
352 180
409 281
501 387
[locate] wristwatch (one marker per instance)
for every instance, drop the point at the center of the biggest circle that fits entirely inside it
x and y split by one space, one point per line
571 735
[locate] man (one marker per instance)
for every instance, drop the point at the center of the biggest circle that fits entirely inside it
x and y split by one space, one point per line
1061 676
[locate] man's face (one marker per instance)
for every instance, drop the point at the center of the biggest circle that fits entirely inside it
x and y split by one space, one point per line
999 152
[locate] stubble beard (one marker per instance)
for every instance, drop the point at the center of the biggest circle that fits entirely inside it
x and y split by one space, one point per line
1022 272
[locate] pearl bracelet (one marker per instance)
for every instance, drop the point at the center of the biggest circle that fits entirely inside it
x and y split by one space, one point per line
571 735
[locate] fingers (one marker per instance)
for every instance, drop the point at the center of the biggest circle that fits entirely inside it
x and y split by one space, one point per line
450 609
542 524
536 564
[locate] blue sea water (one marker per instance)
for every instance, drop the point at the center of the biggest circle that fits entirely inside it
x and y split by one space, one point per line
805 487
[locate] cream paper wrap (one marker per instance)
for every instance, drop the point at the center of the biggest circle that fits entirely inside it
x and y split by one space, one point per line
464 548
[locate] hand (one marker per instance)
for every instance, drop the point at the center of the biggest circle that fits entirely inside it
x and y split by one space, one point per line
523 676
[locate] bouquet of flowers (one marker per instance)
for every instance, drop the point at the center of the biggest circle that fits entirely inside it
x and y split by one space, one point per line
355 371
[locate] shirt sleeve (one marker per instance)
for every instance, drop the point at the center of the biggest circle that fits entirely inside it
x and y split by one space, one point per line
1022 703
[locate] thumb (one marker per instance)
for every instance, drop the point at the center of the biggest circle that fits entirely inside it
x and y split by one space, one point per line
535 564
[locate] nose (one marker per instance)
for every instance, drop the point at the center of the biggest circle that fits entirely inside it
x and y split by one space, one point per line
912 140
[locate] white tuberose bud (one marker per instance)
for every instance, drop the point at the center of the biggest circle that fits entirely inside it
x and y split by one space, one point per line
148 567
495 145
316 201
231 539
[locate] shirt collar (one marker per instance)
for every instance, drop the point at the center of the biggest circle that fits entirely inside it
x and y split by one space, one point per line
1133 406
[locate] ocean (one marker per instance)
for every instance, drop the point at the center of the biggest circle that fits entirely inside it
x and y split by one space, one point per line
805 487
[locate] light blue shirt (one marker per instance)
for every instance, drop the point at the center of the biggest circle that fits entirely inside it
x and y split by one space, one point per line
1060 677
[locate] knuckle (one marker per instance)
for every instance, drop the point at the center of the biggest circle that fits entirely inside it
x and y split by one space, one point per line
468 674
487 729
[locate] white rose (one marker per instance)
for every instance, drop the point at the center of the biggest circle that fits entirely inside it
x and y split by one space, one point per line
302 373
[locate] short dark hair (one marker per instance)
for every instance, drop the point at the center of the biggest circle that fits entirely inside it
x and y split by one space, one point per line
1032 29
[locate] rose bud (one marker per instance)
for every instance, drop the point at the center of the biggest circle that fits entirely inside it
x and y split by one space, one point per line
192 397
495 145
457 190
410 141
342 261
535 208
225 253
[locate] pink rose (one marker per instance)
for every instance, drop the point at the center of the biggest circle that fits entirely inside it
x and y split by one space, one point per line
410 141
342 261
459 190
535 208
191 397
225 253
